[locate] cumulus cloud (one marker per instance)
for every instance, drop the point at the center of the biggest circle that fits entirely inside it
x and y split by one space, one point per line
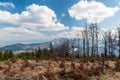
71 33
18 33
7 4
92 11
32 24
7 17
35 17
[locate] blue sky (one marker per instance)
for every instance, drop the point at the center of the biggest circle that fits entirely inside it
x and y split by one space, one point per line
34 21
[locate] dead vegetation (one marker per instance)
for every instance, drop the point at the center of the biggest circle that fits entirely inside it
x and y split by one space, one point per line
117 66
56 70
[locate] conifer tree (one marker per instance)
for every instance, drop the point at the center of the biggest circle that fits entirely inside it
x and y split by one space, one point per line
10 55
39 53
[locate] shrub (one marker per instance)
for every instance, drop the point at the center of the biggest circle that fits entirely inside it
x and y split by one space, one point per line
7 70
78 75
49 74
117 65
94 71
25 64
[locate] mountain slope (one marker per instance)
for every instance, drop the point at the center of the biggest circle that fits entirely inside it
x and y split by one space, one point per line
31 47
25 47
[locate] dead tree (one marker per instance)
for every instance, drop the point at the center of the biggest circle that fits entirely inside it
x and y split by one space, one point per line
61 47
111 43
96 35
118 31
105 42
94 39
72 45
102 63
87 40
92 32
64 48
84 42
79 49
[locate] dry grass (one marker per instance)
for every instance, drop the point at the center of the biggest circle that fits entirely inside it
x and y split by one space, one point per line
117 65
58 70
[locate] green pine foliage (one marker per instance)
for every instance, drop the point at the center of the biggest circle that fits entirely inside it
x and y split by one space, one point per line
1 55
26 55
51 48
6 55
10 54
39 53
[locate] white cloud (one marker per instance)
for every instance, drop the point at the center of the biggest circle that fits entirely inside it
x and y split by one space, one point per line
74 28
30 25
71 33
7 4
92 11
10 35
63 15
35 17
66 34
14 34
7 17
113 30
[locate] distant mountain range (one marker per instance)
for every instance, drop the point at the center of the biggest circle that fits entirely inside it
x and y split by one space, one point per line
18 47
25 47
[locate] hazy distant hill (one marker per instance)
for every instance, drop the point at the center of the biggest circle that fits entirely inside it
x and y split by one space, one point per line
18 47
25 47
30 47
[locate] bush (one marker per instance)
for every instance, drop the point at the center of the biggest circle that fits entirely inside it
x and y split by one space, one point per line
77 75
94 71
117 66
6 55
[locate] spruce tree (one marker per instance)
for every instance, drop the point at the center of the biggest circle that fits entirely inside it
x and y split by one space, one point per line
39 53
5 55
51 48
1 55
10 54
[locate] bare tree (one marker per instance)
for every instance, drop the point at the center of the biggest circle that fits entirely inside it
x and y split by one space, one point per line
72 44
64 48
87 40
118 31
84 42
92 33
94 39
105 42
79 49
96 35
61 47
111 43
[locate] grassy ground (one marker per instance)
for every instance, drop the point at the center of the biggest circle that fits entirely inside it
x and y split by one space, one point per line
58 70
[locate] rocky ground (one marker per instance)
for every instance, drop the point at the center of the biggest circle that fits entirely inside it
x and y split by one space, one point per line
57 70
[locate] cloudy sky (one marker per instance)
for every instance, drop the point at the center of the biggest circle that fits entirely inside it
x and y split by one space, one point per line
34 21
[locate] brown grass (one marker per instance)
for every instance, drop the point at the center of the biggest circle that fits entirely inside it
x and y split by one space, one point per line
57 70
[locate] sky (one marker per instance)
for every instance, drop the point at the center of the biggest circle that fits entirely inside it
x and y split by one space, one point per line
36 21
